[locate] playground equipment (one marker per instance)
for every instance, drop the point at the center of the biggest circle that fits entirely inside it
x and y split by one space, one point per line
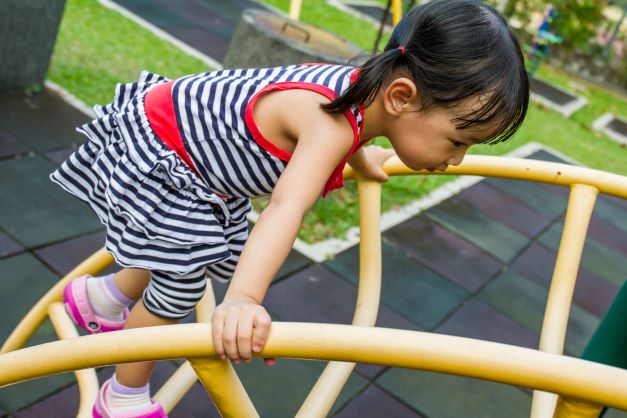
263 39
584 387
542 42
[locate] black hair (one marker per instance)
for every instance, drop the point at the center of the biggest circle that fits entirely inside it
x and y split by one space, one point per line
453 50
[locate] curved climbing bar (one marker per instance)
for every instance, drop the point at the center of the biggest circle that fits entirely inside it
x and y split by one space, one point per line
520 169
497 362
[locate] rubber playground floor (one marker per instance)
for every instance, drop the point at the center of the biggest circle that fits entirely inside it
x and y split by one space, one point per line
476 265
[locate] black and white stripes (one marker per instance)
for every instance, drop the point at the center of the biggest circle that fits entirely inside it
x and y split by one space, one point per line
210 109
174 296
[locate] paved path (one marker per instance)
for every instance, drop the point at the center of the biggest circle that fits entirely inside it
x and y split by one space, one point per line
477 265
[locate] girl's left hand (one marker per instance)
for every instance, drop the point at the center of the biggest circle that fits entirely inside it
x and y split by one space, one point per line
240 328
370 165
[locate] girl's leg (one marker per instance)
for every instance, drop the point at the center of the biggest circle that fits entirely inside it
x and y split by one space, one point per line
166 299
137 374
132 282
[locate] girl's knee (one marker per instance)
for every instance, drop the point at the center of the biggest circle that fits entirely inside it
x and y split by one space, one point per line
173 296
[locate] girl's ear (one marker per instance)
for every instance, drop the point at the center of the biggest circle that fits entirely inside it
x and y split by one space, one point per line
400 96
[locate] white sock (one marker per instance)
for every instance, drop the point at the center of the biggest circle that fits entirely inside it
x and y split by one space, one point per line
120 398
105 299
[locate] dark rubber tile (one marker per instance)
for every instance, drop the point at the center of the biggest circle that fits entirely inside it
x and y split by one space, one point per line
407 287
58 156
592 293
608 235
23 280
506 209
206 42
445 396
524 301
480 321
611 213
315 294
279 391
599 259
295 261
612 200
22 395
206 25
61 404
42 121
375 403
8 246
10 146
66 255
615 413
547 199
478 228
35 211
546 156
444 252
551 93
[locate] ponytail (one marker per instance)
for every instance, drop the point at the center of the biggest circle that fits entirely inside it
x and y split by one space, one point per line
372 77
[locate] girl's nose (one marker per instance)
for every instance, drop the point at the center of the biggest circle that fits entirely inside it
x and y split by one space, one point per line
456 159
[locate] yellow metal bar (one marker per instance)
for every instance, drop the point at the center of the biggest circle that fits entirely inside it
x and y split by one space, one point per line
521 169
571 377
218 377
573 408
206 306
33 319
330 383
225 388
295 6
176 387
555 324
397 11
87 379
326 390
369 291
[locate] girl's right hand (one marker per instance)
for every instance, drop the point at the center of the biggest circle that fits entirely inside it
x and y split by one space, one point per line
240 326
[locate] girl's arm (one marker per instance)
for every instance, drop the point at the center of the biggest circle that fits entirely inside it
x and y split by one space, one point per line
240 325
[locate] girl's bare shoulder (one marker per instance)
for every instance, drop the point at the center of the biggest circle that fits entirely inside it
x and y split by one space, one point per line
287 114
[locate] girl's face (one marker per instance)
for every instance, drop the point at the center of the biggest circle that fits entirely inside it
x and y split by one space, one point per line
430 140
425 139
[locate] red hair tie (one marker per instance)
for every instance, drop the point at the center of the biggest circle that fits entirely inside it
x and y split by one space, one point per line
402 48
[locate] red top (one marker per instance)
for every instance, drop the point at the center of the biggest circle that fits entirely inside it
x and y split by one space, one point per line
159 109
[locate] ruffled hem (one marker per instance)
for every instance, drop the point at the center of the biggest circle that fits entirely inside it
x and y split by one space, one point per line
157 211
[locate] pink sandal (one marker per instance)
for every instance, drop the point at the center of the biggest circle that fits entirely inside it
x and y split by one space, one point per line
101 411
78 307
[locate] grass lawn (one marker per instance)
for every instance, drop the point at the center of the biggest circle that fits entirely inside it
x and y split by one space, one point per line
97 48
93 53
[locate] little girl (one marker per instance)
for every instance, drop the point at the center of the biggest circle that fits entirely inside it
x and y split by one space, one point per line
169 168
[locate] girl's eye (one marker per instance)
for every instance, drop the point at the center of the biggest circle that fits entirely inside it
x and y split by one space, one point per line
458 144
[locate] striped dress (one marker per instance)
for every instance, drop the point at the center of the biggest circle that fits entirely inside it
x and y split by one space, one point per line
179 208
